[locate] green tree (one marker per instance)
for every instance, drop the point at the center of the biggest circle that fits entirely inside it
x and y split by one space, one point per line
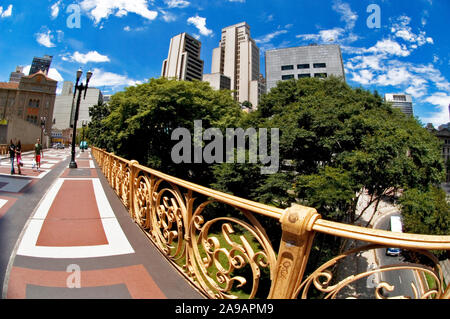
95 133
143 117
426 212
340 141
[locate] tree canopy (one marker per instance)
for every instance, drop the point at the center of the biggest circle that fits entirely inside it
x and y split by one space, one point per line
335 141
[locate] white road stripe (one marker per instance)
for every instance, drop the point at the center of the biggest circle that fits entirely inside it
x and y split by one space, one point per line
118 244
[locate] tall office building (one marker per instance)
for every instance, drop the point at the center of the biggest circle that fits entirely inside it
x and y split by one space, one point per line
17 75
42 64
62 113
237 58
304 61
400 101
183 61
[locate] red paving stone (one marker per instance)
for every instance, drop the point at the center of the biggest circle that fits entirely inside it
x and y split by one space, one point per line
25 171
87 173
7 206
83 163
76 221
139 283
73 220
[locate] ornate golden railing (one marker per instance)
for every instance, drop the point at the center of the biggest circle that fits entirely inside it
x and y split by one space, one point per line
217 240
4 148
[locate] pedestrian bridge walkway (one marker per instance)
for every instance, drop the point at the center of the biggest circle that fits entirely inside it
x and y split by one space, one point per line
80 243
115 229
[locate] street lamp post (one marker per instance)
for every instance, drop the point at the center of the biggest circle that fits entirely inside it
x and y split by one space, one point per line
80 87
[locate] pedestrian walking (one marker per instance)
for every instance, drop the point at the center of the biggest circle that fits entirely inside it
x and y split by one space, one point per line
19 156
38 152
12 155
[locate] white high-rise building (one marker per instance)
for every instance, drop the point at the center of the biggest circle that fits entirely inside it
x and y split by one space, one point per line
318 61
183 61
400 101
62 113
237 58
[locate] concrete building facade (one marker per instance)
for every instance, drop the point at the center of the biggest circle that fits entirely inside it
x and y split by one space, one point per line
62 115
16 75
237 58
183 61
319 61
218 81
401 101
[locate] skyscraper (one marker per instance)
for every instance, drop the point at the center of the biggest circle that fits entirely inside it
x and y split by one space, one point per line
237 57
62 114
17 75
400 101
183 61
42 64
304 61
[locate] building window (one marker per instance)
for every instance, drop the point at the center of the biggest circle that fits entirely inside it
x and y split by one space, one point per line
287 67
304 75
320 65
320 75
302 66
400 98
287 77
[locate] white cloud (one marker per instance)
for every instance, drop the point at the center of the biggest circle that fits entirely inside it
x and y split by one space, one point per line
177 3
346 13
7 12
103 78
363 76
55 9
402 30
335 35
91 56
441 101
102 9
394 77
200 24
388 46
242 1
268 37
168 16
130 29
45 39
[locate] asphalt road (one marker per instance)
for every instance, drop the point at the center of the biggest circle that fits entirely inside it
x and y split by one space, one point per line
400 279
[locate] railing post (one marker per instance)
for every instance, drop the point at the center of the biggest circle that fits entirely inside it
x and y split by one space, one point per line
133 175
110 163
295 246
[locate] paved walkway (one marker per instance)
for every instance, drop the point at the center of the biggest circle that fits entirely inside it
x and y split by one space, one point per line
65 234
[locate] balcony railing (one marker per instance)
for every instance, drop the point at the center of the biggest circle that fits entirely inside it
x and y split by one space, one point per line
218 242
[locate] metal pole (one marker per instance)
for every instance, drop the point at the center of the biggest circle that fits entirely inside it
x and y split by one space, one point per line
73 164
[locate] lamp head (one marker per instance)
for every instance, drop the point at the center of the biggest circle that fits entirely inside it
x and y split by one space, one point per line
79 73
88 75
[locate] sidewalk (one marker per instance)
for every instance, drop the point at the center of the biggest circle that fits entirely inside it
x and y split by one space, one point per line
81 243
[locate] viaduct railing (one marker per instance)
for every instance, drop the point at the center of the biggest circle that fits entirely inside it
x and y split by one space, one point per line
4 148
230 255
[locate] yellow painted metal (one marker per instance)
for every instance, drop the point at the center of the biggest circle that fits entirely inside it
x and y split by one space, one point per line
169 212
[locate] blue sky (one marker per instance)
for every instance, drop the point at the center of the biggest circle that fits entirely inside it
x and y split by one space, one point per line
125 41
